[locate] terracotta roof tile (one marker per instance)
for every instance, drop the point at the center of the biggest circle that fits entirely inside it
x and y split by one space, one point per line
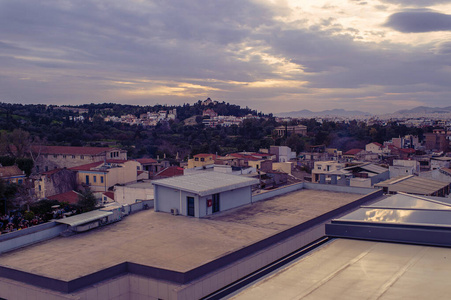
109 195
10 171
70 197
170 172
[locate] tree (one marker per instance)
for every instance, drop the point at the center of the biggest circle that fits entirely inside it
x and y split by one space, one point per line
87 201
7 193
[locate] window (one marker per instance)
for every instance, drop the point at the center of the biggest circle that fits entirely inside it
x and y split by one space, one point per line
64 156
39 188
196 158
20 181
73 156
94 178
55 155
46 168
202 159
101 179
87 179
82 156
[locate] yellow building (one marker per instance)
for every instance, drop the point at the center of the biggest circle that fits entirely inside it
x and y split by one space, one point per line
200 160
100 176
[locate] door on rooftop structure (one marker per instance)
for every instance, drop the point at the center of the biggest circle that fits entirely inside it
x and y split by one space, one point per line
190 205
215 203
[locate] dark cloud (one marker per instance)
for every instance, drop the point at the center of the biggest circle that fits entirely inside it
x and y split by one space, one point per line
57 51
419 21
421 3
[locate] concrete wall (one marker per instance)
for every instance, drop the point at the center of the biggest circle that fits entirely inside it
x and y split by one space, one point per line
276 192
336 188
167 198
31 235
227 200
129 195
282 166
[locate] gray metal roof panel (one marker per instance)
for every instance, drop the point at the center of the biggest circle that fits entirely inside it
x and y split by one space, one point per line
84 218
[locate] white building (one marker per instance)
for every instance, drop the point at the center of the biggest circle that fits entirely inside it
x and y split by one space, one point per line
202 194
282 153
440 162
403 167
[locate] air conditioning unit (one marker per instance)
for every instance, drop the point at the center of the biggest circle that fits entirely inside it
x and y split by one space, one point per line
174 211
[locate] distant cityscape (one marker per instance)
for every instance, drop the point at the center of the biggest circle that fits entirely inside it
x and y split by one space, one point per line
243 189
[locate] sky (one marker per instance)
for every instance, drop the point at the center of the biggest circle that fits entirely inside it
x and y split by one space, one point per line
273 56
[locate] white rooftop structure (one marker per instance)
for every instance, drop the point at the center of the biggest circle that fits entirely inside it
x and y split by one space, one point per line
206 183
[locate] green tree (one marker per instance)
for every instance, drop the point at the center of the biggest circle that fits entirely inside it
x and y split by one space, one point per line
87 201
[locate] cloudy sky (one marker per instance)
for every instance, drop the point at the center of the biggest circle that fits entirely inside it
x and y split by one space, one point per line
375 55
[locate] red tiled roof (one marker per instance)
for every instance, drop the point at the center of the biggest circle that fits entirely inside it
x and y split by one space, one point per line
144 161
170 172
407 150
72 150
70 197
10 171
377 144
353 152
109 195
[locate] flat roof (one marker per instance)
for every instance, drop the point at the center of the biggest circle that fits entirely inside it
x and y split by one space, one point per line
170 242
355 269
206 183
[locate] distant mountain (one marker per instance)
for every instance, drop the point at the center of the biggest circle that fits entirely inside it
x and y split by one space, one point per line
305 113
425 110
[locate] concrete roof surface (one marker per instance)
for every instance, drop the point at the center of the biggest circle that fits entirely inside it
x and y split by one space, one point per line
177 243
356 269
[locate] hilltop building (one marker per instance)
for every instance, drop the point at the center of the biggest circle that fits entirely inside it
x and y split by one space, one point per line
54 157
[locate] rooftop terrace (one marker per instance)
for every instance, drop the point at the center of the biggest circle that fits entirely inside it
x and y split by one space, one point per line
172 242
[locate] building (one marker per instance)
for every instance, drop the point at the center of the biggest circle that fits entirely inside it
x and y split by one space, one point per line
282 153
202 194
374 148
442 174
402 167
415 185
151 165
440 162
100 176
54 157
12 174
200 160
367 174
386 250
56 181
325 167
190 258
436 141
287 130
